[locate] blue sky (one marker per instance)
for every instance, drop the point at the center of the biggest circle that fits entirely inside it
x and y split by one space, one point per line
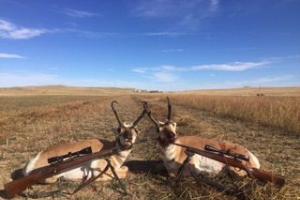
150 44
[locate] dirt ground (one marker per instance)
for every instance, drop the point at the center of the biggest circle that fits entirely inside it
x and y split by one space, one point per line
31 124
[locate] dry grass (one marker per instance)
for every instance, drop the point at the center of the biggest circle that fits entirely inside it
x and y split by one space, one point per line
63 90
283 91
281 112
32 123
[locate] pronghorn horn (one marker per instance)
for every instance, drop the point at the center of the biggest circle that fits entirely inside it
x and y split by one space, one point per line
169 109
115 112
147 109
141 116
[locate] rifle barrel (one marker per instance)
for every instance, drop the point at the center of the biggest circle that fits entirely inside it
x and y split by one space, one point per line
252 172
17 186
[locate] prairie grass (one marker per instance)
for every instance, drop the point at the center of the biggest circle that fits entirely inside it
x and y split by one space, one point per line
279 112
29 124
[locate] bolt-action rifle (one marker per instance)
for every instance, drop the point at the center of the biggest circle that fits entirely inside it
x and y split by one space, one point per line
234 160
59 165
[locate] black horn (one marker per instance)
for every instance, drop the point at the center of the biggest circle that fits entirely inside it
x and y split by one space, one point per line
147 109
141 115
169 109
115 112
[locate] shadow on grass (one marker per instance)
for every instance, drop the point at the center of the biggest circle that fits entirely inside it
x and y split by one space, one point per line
154 167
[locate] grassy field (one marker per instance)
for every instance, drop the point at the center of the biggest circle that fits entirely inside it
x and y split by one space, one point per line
284 91
62 90
282 112
32 120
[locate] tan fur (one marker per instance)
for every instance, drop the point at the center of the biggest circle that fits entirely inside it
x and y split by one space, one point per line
126 137
62 149
173 156
96 165
198 142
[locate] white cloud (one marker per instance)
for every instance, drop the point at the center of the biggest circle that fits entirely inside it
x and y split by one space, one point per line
172 50
170 73
79 13
6 26
231 67
171 8
164 33
234 67
9 30
167 68
166 77
214 5
25 33
10 56
187 14
92 34
140 70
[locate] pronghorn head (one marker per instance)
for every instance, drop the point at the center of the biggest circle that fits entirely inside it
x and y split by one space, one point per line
166 129
126 132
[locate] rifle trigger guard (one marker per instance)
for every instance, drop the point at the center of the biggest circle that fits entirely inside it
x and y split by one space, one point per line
86 181
249 173
189 153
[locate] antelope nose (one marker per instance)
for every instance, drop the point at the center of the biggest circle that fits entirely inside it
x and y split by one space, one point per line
129 137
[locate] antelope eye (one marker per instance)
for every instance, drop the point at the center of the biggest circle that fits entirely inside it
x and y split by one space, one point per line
170 135
127 135
119 129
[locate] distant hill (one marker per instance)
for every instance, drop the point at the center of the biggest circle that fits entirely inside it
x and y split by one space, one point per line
100 91
63 90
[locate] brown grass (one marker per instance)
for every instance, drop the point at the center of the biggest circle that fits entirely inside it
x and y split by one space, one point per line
32 123
280 112
282 91
63 90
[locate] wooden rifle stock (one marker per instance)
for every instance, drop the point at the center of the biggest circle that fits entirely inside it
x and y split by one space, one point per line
17 186
252 172
36 176
265 176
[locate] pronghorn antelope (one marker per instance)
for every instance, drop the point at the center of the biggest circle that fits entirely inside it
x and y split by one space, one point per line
125 137
174 156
